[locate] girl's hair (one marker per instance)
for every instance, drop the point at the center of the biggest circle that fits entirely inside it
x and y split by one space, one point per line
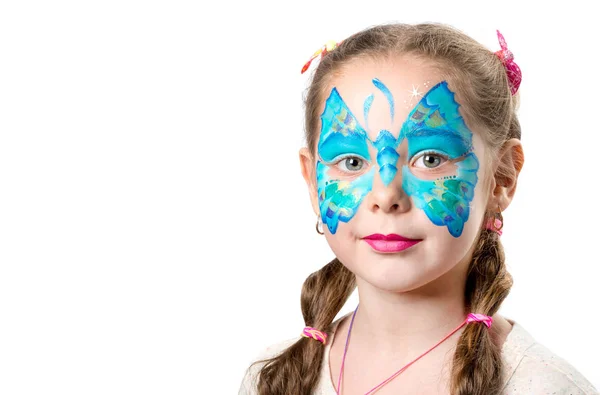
479 78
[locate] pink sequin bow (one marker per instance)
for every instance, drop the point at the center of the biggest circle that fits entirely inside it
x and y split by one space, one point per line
314 334
512 69
473 317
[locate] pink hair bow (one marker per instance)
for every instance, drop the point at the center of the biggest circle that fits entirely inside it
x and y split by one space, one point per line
512 69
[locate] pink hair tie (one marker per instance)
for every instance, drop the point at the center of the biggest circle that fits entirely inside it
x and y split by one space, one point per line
314 334
487 320
495 225
512 69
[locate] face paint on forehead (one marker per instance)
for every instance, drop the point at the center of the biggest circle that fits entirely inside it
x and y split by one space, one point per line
434 124
388 95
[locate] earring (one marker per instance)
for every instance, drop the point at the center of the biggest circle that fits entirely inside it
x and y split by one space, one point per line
496 223
319 226
498 219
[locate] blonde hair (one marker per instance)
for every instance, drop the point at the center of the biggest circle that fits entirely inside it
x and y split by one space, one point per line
480 80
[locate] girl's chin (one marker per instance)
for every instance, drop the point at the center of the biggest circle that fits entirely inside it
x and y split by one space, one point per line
395 282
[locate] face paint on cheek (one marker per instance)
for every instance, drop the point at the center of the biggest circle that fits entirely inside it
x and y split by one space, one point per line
339 199
435 123
445 201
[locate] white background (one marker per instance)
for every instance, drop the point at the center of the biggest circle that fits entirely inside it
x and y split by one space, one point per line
154 226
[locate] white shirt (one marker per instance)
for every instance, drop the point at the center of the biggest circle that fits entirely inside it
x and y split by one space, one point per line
529 368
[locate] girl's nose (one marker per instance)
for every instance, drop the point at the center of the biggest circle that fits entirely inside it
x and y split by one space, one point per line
390 198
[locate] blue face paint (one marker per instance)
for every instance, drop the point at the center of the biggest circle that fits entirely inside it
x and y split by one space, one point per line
446 200
336 144
339 199
386 143
437 140
434 124
388 95
387 156
341 134
368 103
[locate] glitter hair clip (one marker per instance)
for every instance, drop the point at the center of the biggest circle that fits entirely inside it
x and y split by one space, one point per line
328 47
314 334
512 69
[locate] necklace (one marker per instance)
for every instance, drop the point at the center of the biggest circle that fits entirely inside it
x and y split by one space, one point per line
470 318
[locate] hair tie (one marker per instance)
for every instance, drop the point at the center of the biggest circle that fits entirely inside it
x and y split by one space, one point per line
314 334
487 320
512 69
329 46
495 225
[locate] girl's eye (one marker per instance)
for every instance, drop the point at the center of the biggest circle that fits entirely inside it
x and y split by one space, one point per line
350 164
430 160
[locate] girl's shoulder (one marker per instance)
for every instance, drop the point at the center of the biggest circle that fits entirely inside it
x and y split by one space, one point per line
532 368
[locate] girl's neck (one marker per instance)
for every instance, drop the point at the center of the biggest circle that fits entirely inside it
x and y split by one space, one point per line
400 324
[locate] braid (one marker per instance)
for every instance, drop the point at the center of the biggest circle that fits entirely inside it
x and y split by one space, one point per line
296 370
477 367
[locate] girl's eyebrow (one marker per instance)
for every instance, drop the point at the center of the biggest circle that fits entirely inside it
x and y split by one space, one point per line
336 144
433 132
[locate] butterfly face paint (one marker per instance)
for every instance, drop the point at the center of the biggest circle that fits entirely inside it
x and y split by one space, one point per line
433 126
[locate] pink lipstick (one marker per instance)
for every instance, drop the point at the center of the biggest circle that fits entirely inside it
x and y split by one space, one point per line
390 243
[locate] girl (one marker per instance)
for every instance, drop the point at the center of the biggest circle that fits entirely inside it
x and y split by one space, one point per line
413 152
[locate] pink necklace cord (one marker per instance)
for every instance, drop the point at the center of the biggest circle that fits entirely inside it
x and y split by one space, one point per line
487 320
314 334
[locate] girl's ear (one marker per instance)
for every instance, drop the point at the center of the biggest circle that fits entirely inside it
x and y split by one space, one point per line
504 182
307 166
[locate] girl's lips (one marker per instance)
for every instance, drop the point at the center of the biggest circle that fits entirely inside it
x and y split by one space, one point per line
389 243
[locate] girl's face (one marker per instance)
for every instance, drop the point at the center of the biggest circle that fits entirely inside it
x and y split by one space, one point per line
397 177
